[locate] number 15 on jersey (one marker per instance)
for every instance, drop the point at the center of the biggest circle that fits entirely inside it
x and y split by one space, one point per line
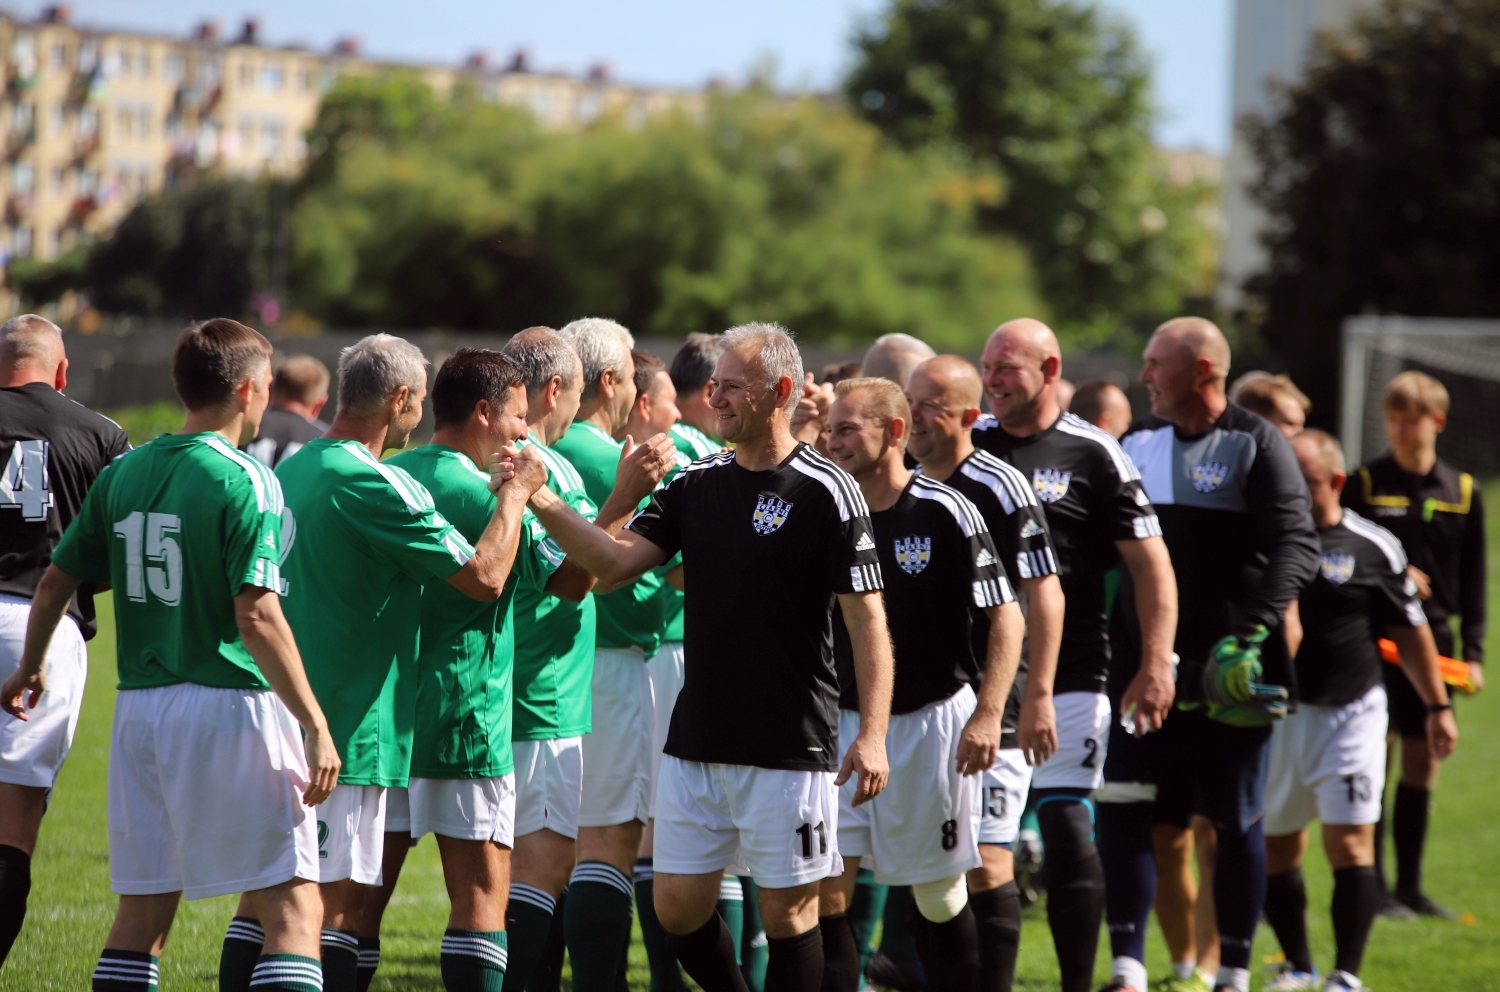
152 556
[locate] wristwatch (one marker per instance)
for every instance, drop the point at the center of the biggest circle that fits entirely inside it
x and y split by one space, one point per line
1439 707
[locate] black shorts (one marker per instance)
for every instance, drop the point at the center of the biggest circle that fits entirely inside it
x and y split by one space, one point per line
1408 712
1199 766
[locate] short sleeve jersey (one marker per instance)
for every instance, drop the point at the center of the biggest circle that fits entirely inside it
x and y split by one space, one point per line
1361 589
51 450
363 535
1439 519
466 649
635 615
1237 522
1018 524
554 670
940 568
765 553
282 434
1093 497
692 444
179 527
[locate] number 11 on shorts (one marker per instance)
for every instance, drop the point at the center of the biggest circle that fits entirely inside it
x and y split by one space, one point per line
806 832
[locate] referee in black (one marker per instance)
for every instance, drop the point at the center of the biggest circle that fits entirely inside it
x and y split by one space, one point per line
1099 516
771 535
51 450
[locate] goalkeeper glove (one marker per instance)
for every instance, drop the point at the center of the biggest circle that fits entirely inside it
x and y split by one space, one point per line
1256 714
1233 667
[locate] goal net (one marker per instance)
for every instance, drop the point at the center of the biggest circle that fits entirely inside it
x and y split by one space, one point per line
1464 355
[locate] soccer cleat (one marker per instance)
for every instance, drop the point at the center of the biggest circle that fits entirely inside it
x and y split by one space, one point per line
1118 985
882 971
1289 979
1341 981
1394 909
1198 981
1418 903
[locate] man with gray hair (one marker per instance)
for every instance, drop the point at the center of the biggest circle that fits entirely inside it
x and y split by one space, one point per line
361 537
894 356
52 449
770 533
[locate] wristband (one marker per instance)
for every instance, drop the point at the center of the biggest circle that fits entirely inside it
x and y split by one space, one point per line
1439 707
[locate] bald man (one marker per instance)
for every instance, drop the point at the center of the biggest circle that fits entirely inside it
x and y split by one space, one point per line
52 449
894 356
1099 514
1237 521
1102 404
943 393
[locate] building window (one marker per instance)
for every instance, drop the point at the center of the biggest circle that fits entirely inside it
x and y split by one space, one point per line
174 126
123 62
247 74
209 71
59 56
143 123
21 117
88 182
57 122
270 77
175 68
88 56
88 122
143 65
22 179
304 81
55 180
270 136
20 242
541 104
125 121
587 107
247 135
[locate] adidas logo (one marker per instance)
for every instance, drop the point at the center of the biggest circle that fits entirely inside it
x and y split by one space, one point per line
985 558
866 543
1031 529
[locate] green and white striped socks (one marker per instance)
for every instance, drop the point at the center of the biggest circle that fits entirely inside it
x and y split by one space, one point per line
287 973
474 960
126 971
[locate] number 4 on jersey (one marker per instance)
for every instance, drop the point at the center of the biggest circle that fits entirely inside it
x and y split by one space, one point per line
24 485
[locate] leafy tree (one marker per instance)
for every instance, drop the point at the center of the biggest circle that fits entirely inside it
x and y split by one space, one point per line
1055 94
1381 178
38 282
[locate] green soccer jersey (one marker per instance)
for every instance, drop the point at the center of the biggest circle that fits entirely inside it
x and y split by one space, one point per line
692 444
466 648
634 616
178 527
554 670
364 535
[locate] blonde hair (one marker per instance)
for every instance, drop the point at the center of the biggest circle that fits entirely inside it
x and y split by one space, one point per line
1261 392
1325 447
1415 392
888 400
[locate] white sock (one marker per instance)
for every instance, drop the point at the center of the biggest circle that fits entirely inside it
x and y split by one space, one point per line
1131 972
1185 969
1237 979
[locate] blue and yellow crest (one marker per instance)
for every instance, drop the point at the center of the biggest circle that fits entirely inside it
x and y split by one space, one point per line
913 553
1337 566
771 512
1208 476
1051 484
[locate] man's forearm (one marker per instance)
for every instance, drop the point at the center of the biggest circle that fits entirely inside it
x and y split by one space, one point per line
1002 657
1419 661
49 604
496 548
1044 627
598 552
269 640
616 512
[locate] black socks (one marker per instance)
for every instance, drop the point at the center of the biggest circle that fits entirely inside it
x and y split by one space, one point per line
596 924
15 886
1075 887
997 925
840 954
949 951
1129 863
708 956
1286 911
1239 892
1356 900
795 964
1409 830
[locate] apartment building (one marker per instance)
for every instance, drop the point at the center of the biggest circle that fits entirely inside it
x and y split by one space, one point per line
94 119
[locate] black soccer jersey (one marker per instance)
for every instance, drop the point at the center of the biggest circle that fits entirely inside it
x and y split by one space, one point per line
1019 527
1237 520
1439 519
282 434
52 449
766 552
940 567
1360 589
1093 497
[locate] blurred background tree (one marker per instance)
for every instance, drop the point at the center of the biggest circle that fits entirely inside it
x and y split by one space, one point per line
1054 94
1381 179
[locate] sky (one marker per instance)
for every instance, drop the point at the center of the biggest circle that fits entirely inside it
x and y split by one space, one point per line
685 42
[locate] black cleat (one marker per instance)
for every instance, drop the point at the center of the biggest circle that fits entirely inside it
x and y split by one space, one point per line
1420 905
1394 909
884 972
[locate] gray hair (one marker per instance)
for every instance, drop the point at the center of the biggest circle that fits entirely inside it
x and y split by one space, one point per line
30 338
774 349
894 356
602 344
374 367
542 354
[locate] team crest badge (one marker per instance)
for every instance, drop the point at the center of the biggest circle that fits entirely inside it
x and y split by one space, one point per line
913 553
1337 567
771 512
1051 484
1208 476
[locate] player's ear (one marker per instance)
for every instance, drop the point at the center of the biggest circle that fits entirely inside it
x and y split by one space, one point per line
60 379
897 430
970 417
1440 421
1337 482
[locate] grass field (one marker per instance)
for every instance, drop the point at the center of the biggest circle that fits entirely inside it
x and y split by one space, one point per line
71 906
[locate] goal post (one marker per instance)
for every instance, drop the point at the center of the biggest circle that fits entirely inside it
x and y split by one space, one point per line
1462 354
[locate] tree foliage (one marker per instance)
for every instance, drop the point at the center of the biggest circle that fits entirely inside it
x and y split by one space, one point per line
1054 94
1381 179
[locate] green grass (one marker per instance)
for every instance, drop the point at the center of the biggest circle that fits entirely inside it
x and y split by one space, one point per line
71 906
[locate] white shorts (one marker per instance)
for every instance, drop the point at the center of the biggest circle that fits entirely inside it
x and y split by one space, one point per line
780 827
549 785
465 808
1002 792
32 751
665 671
397 810
925 825
351 834
1327 763
617 755
1082 740
205 793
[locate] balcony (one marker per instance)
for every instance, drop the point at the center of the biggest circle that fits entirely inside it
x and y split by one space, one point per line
81 208
85 146
18 141
18 207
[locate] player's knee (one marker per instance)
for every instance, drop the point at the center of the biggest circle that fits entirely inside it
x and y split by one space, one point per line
1067 827
941 901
